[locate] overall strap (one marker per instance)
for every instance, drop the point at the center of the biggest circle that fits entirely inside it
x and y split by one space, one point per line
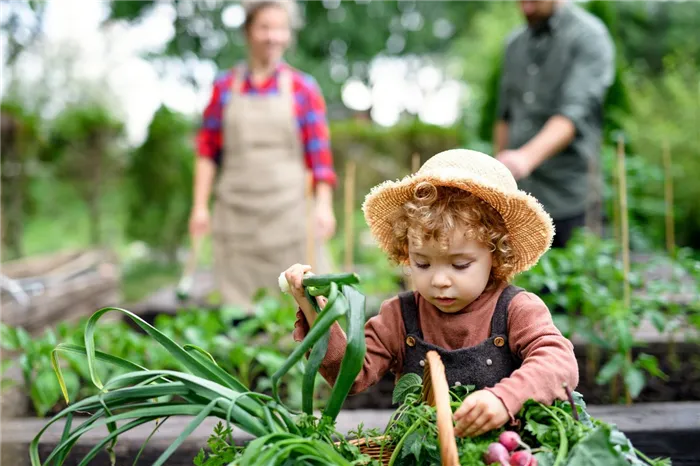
499 321
409 312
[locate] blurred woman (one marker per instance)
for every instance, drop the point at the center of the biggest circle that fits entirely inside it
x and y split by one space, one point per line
265 126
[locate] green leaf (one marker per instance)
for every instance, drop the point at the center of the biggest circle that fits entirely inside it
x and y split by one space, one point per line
45 392
658 319
416 447
544 458
650 364
408 384
596 449
634 381
610 369
8 338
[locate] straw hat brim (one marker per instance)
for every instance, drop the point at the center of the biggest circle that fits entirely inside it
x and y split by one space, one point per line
530 228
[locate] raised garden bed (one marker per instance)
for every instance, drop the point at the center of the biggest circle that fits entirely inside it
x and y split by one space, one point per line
38 292
665 429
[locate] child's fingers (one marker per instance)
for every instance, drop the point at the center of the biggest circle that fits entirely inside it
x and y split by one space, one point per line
489 426
467 420
295 275
479 426
466 406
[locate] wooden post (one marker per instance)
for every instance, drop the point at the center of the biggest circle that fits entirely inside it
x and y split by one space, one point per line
616 200
310 222
668 198
624 220
349 214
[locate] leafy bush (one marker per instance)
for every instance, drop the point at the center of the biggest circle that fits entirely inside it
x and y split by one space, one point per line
666 110
84 151
160 177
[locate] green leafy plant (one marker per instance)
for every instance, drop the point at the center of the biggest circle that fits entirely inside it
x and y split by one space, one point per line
253 350
202 388
584 280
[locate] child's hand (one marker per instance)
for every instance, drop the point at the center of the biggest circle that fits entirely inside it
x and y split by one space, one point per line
295 277
482 411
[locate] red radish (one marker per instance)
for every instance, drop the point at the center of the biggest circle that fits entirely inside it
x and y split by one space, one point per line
522 458
496 453
510 440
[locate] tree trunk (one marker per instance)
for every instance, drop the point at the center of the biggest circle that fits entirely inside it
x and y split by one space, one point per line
95 196
13 207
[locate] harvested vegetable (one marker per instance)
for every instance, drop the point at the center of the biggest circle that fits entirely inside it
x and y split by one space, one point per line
497 453
342 300
522 458
511 440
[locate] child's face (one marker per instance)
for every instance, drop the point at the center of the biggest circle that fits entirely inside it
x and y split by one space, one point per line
450 279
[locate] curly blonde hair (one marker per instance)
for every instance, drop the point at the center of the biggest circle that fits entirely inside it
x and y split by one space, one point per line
434 213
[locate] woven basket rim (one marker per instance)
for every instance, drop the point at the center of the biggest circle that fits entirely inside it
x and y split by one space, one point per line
434 379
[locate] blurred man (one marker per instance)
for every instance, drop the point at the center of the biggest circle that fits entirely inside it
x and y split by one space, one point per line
556 73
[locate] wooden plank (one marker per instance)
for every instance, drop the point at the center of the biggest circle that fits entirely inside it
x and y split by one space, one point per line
654 428
642 417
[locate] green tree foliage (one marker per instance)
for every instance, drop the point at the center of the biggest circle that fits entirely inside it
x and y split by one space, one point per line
21 22
650 31
338 41
666 110
159 178
82 151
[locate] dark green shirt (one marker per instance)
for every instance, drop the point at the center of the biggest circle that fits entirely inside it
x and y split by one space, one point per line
564 68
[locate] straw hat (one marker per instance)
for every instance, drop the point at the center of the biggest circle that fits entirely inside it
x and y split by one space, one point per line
530 228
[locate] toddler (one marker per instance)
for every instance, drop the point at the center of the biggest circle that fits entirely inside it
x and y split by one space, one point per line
464 230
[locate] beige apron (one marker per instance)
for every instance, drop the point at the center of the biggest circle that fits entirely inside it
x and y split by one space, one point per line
259 217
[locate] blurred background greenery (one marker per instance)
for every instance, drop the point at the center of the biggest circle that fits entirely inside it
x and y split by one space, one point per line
74 176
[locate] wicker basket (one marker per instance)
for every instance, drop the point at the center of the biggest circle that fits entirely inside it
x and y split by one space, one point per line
436 393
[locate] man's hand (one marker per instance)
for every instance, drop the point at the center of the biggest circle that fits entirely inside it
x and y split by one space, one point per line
518 162
481 412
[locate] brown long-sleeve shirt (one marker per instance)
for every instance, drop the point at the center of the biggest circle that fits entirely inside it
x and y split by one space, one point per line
548 357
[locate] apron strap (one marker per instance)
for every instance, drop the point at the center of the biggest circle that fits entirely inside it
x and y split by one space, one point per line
409 313
499 321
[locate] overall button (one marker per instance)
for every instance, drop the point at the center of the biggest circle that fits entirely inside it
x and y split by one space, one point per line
458 384
422 363
532 69
489 362
499 341
529 97
410 341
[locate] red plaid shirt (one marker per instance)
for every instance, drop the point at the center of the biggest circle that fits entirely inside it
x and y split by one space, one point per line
310 109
